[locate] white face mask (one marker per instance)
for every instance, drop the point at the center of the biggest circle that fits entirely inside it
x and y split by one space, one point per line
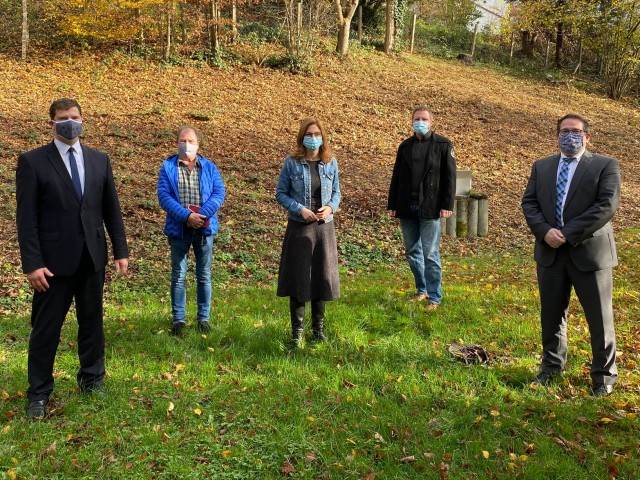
187 149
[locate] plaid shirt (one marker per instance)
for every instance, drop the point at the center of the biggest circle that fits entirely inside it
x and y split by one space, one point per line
189 183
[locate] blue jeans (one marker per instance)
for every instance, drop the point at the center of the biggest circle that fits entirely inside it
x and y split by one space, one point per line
422 249
203 250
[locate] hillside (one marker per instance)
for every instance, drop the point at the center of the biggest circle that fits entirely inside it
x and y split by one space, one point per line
249 117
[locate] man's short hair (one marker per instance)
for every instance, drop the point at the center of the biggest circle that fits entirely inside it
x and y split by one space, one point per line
184 128
421 108
63 104
574 116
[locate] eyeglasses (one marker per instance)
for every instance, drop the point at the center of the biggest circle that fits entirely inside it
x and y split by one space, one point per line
564 131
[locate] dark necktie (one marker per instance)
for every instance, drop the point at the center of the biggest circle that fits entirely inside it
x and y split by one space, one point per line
75 176
561 188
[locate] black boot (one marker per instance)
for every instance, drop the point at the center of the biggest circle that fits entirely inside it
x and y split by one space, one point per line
317 320
296 309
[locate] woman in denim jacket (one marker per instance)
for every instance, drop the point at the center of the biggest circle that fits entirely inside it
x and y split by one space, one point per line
309 189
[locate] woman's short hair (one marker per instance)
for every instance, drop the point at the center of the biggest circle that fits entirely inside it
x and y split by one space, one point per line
325 149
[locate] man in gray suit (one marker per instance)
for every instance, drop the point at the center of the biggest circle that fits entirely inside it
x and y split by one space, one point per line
569 203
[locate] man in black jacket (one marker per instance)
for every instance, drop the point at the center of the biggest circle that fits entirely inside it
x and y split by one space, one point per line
569 203
422 190
65 197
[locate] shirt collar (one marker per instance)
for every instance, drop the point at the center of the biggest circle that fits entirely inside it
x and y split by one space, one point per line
576 158
182 162
64 148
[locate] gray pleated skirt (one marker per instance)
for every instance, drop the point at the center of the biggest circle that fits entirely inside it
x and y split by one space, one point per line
309 262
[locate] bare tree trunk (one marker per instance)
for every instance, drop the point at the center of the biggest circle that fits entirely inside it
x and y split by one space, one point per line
214 43
577 70
475 39
559 44
344 23
167 51
546 54
512 47
234 20
413 31
25 30
390 30
360 23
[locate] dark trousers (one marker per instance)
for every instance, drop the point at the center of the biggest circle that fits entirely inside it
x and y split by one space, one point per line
594 291
48 312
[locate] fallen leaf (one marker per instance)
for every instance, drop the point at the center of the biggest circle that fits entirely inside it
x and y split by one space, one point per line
11 474
287 468
408 459
197 411
485 454
170 408
379 438
226 453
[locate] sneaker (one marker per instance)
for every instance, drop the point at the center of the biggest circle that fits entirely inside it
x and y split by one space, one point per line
420 297
177 329
544 377
204 327
433 306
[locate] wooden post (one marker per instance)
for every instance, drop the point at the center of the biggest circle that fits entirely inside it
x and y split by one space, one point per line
413 31
513 46
461 217
546 55
475 37
483 216
451 222
472 217
360 24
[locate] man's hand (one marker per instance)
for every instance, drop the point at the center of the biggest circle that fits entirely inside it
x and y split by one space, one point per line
324 212
38 279
308 215
392 213
196 220
122 265
445 213
554 238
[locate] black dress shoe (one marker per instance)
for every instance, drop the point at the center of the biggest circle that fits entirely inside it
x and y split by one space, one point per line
601 390
96 389
544 377
37 409
204 327
177 329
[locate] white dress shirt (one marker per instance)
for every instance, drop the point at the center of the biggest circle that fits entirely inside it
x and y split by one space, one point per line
63 148
572 169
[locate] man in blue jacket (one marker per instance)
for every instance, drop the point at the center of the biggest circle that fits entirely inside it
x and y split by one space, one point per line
191 191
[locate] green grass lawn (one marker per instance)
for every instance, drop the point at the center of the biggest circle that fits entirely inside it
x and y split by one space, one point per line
383 398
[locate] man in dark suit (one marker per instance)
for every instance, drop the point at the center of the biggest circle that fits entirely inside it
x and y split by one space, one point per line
65 197
569 203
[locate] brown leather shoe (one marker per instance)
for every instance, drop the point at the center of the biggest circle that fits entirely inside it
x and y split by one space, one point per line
420 297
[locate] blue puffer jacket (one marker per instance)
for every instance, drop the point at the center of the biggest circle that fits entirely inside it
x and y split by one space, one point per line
211 192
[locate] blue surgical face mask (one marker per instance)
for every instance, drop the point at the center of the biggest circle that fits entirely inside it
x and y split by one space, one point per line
421 127
571 143
312 143
69 129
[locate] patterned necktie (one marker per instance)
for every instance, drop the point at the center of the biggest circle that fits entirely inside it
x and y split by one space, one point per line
75 176
561 188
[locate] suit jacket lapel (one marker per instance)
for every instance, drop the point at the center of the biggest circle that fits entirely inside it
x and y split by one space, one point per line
89 171
58 164
583 166
553 179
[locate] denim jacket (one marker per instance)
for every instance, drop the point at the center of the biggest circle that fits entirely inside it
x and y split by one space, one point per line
294 187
